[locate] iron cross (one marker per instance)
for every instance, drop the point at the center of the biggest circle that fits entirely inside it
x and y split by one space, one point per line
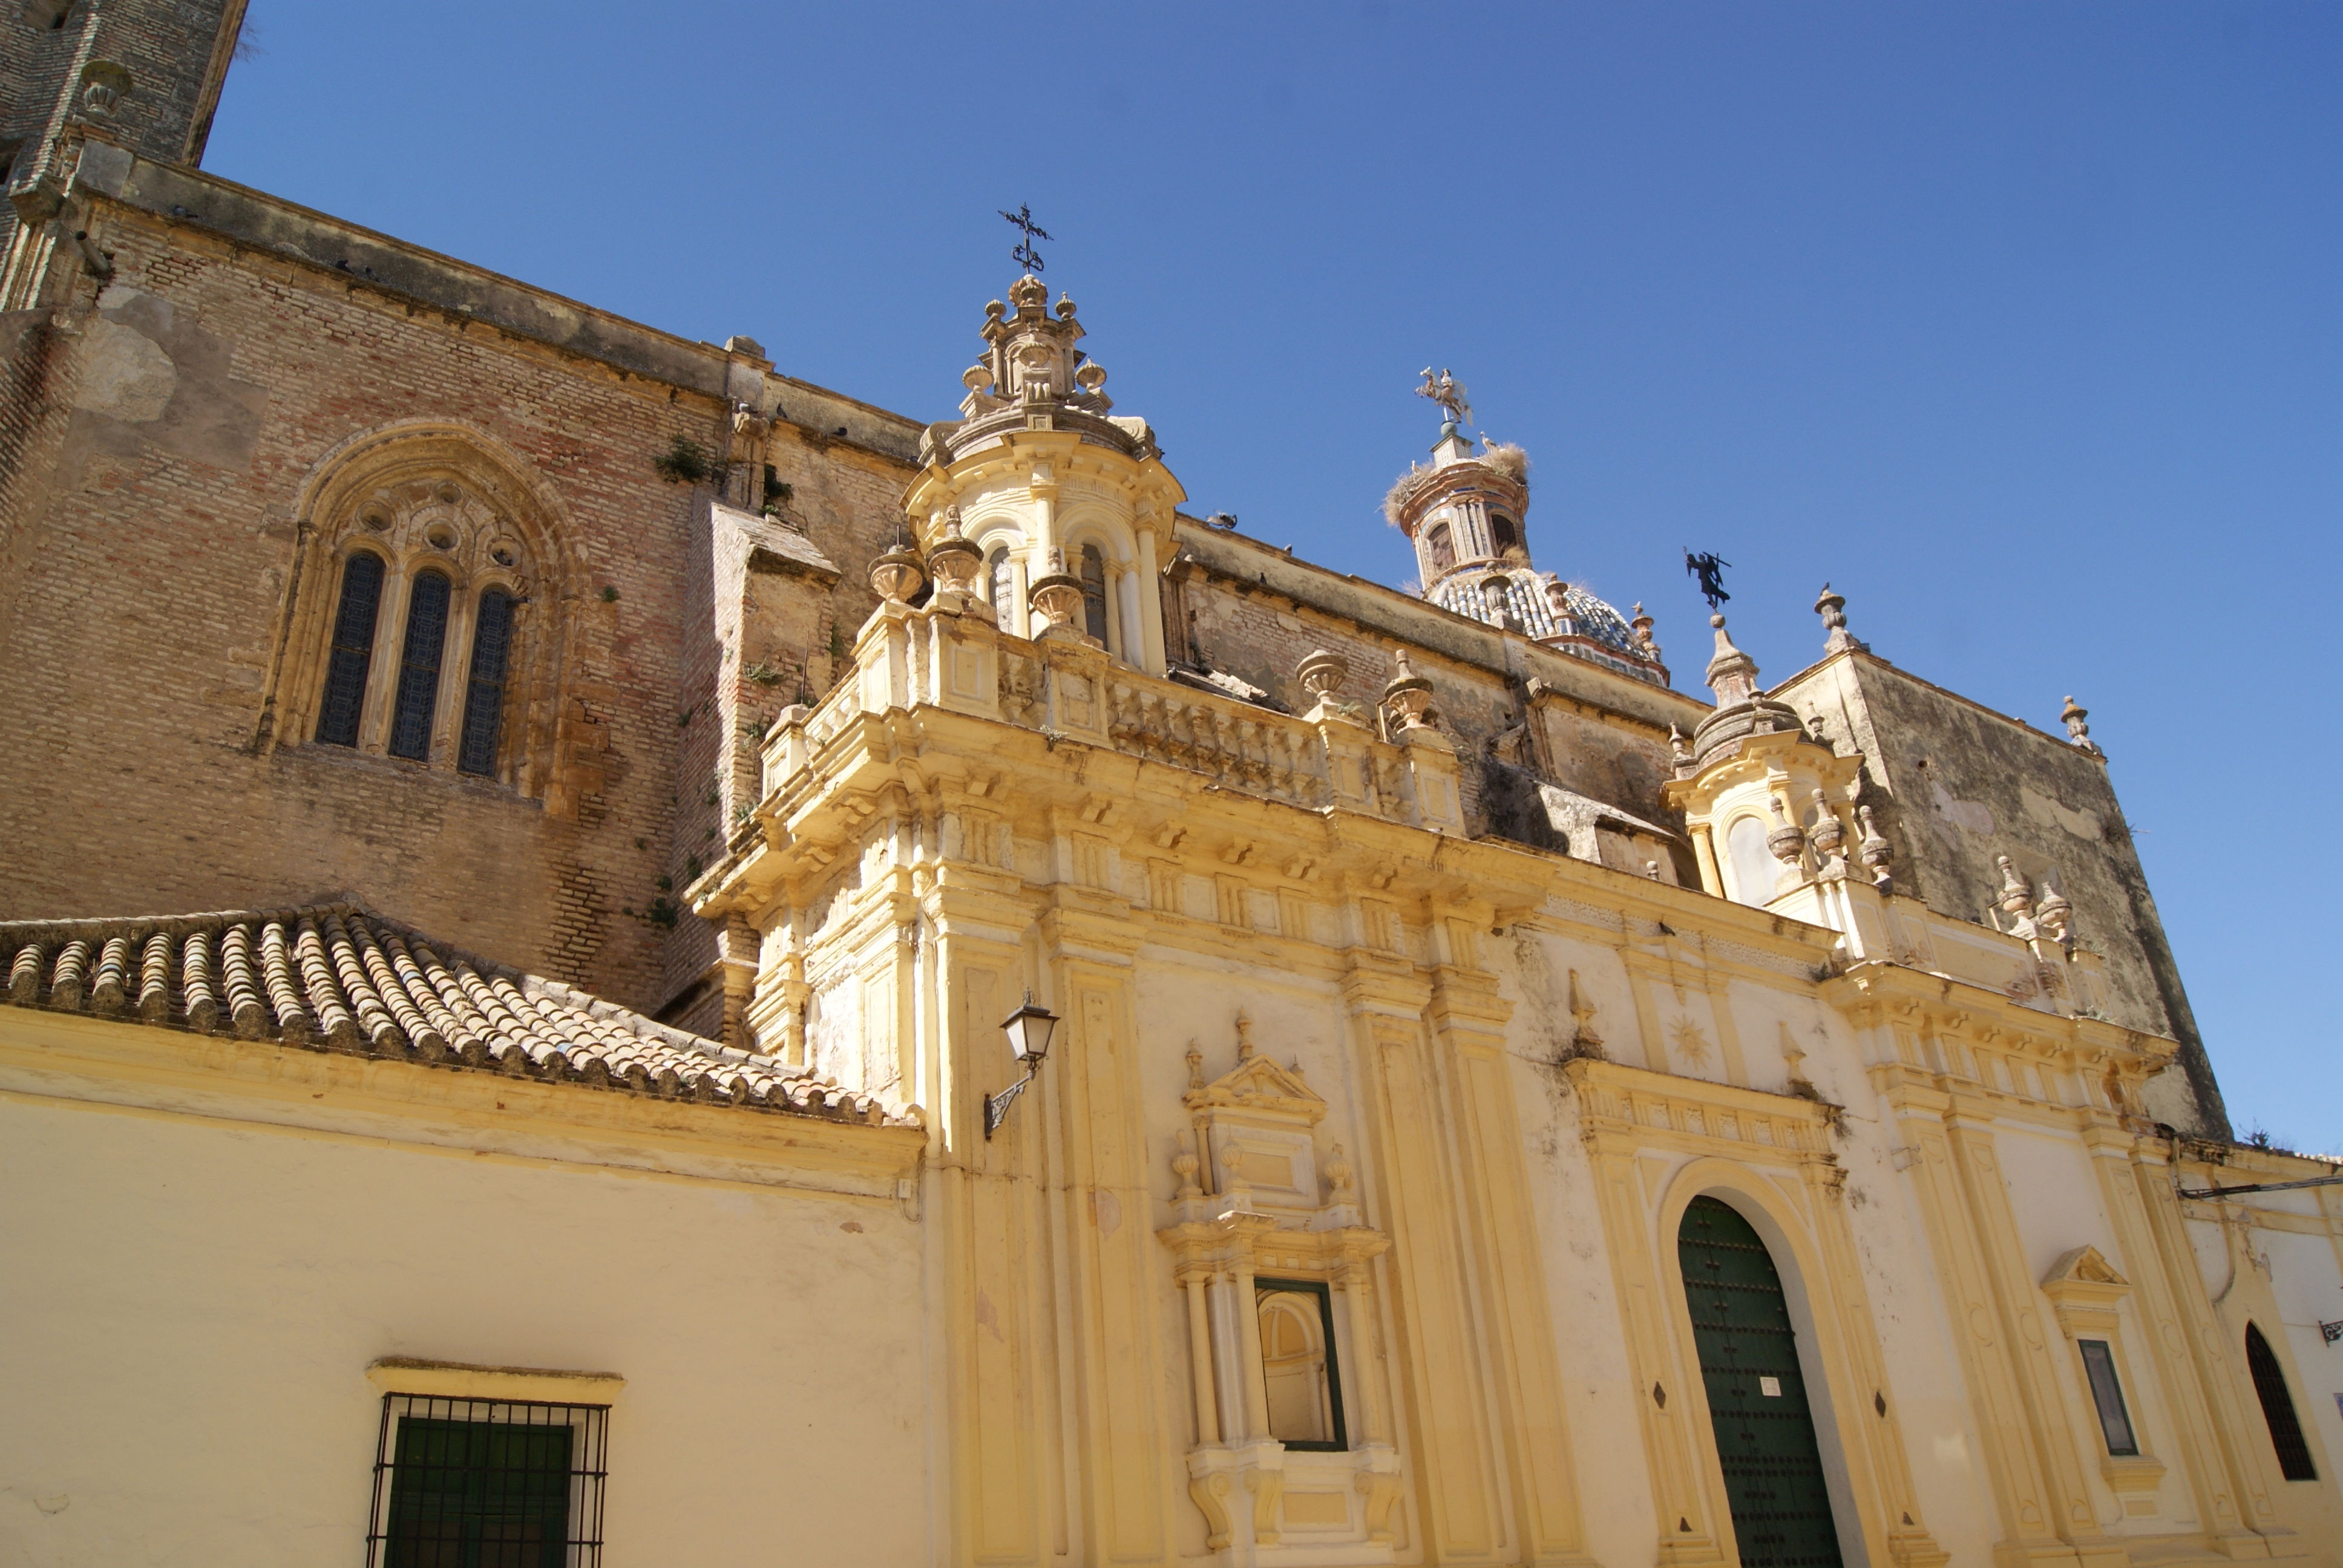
1025 256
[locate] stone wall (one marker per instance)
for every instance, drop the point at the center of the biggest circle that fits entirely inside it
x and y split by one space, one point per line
1954 785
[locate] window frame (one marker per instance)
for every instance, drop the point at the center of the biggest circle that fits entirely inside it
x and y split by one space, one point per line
2105 1379
1322 1293
588 1463
2275 1393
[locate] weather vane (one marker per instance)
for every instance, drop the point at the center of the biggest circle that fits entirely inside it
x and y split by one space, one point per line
1449 393
1025 256
1710 570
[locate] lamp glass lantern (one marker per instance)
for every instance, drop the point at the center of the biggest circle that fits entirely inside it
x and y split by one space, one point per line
1029 1030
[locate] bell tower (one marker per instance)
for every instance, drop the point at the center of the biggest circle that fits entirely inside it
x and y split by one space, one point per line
1068 505
1465 513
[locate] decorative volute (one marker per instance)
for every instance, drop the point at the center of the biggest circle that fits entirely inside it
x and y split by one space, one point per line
1038 471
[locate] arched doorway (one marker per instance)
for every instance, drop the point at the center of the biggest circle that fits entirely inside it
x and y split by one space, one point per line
1757 1405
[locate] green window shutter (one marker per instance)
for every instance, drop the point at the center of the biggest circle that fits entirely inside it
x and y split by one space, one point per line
478 1495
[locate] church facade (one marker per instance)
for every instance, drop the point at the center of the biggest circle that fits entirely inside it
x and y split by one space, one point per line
616 958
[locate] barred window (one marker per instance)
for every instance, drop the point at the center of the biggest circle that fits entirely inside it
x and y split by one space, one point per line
353 649
487 1483
998 582
2277 1408
418 667
484 700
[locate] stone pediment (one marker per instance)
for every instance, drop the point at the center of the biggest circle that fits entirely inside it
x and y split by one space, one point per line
1255 1084
2084 1266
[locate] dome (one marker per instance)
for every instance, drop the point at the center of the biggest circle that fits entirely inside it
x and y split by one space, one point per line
1559 614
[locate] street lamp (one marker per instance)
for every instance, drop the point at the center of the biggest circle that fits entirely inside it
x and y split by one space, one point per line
1029 1030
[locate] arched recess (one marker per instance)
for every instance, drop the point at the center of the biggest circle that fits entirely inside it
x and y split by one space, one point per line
435 499
1824 1308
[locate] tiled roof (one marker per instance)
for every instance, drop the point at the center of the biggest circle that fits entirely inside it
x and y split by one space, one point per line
335 977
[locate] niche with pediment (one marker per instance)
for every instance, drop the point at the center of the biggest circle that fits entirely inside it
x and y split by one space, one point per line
1294 1452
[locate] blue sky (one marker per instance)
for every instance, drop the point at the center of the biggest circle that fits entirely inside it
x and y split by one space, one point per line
2021 324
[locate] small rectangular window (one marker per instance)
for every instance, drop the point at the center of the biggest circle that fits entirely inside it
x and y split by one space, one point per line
481 1482
2106 1392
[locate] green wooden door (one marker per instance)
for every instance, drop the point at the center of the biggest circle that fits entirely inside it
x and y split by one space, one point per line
1756 1399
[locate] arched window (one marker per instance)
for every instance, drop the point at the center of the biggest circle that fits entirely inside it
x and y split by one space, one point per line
1505 534
2277 1408
483 689
352 653
1298 1370
408 630
418 666
1753 867
1000 585
1442 546
1093 575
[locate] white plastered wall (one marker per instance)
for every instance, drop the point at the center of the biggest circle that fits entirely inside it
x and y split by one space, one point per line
191 1306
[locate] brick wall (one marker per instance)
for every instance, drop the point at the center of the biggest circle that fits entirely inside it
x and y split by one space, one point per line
167 430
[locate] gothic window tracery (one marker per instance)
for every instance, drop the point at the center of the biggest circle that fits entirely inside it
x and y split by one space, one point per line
421 638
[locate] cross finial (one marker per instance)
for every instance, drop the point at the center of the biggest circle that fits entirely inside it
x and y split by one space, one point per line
1025 256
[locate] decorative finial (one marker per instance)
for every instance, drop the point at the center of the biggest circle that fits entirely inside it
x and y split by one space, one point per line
1832 607
1320 673
1584 1039
1710 569
1407 692
1244 1035
1195 1066
2078 731
1732 674
1679 748
1875 852
1828 836
1787 840
1641 626
1025 256
2055 916
2017 892
1185 1165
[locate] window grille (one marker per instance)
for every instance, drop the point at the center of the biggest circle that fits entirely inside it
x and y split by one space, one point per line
353 650
2277 1408
487 1483
1093 575
484 701
1302 1381
998 582
2106 1393
418 667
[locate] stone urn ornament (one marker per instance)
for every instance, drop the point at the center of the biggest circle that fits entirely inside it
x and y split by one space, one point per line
1322 674
899 573
956 563
1828 836
1408 694
1057 594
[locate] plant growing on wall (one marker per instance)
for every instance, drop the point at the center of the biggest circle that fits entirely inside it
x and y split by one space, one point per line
685 462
